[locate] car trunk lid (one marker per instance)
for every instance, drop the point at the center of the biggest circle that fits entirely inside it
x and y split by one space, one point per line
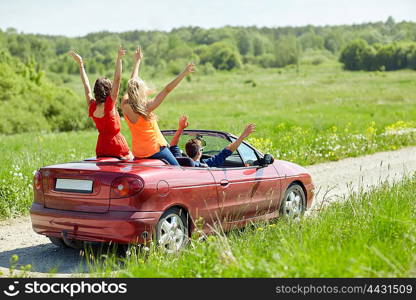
77 190
85 186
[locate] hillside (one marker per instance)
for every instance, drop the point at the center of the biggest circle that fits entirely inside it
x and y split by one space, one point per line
31 102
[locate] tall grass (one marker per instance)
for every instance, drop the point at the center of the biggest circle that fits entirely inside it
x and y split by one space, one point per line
23 154
372 234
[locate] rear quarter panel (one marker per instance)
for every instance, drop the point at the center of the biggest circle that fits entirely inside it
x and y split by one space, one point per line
193 189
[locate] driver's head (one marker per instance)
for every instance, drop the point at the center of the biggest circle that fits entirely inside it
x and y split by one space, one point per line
194 149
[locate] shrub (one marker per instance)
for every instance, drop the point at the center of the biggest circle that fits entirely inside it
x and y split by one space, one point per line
266 60
222 56
208 69
357 56
30 102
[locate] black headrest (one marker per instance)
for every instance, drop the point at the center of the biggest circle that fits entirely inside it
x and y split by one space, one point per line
185 161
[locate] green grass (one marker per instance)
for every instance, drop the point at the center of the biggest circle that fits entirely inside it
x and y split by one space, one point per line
23 154
323 113
371 234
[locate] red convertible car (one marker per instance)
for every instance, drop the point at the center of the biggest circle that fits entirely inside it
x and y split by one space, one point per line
135 201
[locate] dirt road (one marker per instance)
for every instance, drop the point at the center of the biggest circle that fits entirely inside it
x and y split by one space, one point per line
336 180
333 181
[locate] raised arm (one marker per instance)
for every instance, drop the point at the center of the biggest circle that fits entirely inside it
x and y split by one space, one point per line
183 123
154 103
84 77
138 56
247 131
117 74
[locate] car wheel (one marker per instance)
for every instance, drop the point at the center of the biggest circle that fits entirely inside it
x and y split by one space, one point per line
293 203
172 230
57 242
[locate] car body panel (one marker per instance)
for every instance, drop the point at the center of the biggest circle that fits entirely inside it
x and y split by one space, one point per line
118 227
244 193
295 173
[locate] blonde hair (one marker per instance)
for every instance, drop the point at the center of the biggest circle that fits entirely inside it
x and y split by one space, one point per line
138 92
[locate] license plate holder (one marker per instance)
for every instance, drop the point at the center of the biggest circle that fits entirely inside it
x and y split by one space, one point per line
80 186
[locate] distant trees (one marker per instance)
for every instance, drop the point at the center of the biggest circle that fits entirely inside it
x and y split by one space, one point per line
225 48
245 43
334 40
222 55
358 55
286 51
310 40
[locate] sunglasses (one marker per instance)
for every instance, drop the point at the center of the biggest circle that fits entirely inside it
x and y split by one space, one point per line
200 138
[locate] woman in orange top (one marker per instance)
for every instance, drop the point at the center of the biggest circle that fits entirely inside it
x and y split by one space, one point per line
102 109
147 139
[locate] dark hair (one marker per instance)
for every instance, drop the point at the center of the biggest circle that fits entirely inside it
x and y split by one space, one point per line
102 89
192 147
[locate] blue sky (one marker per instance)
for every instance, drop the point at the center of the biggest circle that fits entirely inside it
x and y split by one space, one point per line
79 17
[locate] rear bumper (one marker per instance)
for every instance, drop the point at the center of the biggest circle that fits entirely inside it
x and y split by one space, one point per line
112 226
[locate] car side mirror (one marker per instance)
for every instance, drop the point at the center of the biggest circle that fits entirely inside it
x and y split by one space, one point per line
266 160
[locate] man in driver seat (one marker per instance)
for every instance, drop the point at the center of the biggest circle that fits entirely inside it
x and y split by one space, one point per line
194 147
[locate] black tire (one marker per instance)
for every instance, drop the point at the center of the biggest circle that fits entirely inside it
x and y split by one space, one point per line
177 240
57 242
61 244
293 204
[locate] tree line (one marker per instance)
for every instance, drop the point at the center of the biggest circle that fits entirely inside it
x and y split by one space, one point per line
223 48
359 55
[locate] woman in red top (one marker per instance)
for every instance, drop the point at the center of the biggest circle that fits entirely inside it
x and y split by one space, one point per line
102 109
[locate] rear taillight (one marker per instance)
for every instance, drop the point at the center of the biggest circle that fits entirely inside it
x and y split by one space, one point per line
125 187
37 180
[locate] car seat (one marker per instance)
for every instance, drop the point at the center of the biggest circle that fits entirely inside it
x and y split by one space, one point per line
185 161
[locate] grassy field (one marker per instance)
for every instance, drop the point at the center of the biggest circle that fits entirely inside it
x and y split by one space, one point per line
371 234
321 113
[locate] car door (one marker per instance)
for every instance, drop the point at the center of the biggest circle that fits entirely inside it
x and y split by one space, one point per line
196 188
244 189
234 188
266 190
